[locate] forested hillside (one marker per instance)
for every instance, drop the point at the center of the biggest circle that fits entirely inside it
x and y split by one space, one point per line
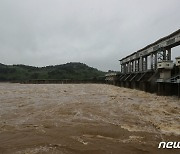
73 71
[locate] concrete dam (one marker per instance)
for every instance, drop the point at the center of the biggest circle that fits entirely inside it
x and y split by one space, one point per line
151 68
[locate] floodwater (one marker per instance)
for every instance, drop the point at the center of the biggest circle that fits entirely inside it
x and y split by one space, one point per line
85 119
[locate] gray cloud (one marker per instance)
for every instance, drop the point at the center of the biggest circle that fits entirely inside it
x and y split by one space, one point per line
96 32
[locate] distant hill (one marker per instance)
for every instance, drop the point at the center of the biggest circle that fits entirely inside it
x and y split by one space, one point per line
72 71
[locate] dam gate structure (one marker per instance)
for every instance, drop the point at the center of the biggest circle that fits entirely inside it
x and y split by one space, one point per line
151 68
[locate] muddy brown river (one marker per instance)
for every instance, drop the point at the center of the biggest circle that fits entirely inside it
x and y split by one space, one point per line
85 119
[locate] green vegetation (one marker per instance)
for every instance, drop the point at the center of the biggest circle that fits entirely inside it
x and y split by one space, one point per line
72 71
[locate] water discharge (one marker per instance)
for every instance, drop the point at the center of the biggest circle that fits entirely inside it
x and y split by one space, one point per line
85 118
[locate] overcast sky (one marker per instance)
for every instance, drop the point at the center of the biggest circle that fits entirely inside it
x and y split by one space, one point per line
95 32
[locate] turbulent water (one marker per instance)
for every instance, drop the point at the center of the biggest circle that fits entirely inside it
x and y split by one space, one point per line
85 118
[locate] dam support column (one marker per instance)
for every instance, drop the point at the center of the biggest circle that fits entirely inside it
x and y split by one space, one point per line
160 88
155 61
145 63
164 68
136 65
178 80
140 64
169 54
151 62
